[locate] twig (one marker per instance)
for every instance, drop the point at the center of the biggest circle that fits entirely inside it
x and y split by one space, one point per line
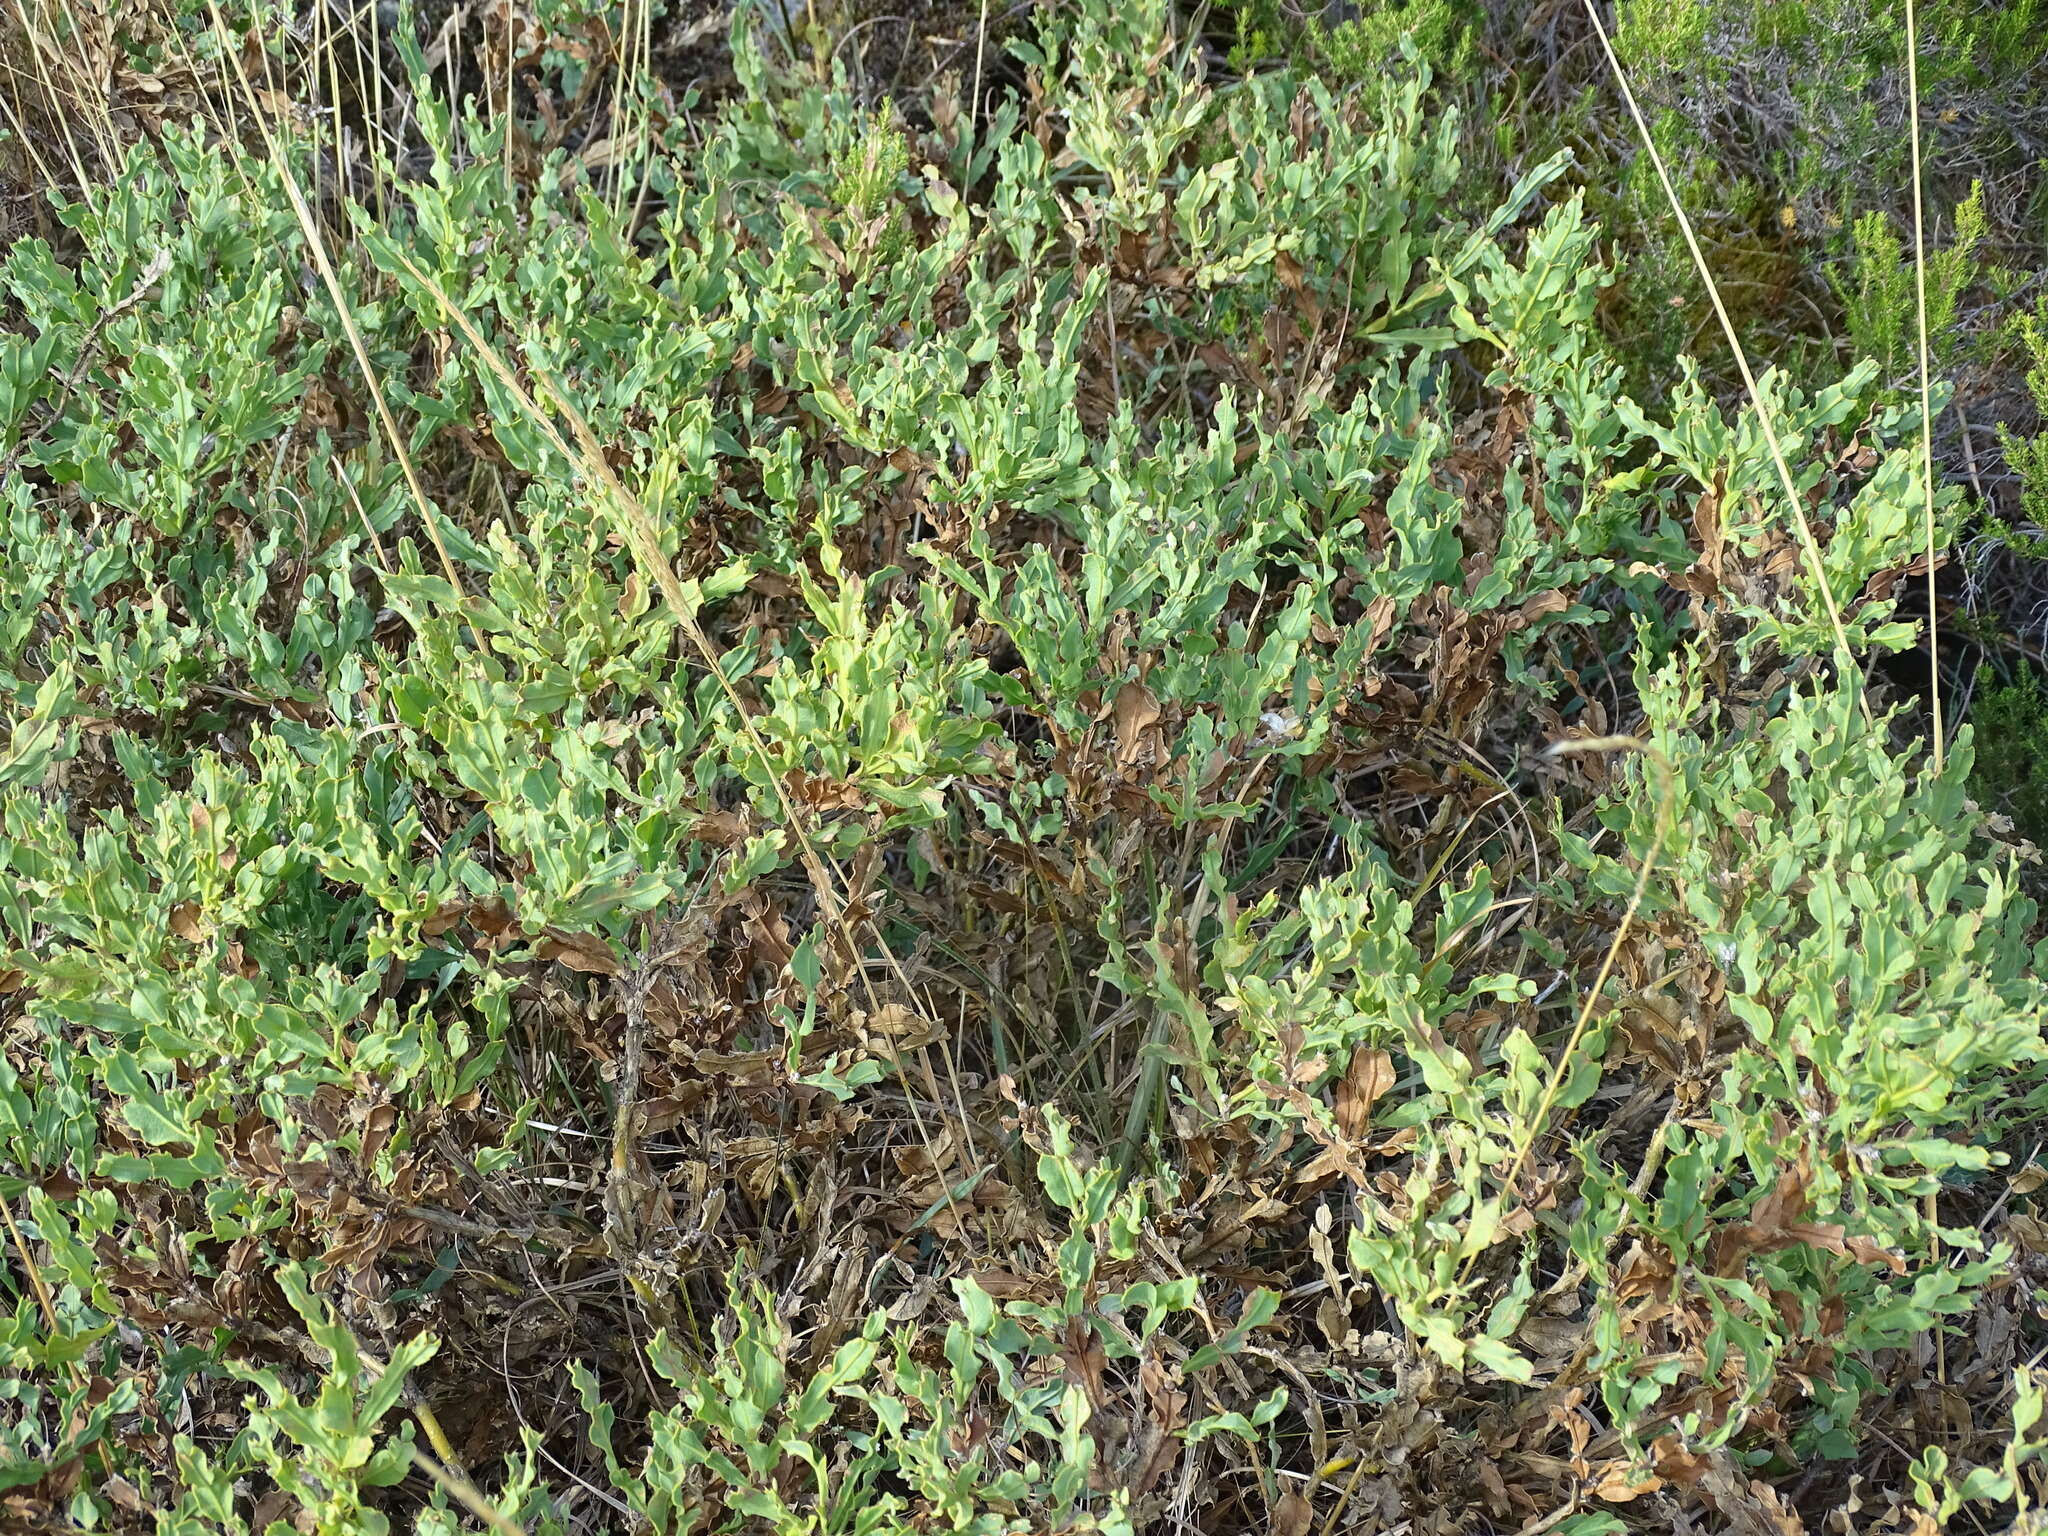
467 1494
447 1472
1926 418
622 1190
38 1285
1969 455
1933 1207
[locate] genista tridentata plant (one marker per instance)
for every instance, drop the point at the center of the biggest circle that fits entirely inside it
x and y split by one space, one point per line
899 867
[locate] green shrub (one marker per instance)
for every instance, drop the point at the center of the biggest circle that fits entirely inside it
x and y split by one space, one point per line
2012 757
906 808
2028 453
1782 124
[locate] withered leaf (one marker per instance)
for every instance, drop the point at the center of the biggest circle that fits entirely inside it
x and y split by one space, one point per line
1547 602
1550 1337
1365 1082
1005 1285
1864 1251
742 1066
187 923
1292 1515
1675 1464
584 952
491 917
898 1028
1618 1482
2027 1233
726 829
1137 712
445 917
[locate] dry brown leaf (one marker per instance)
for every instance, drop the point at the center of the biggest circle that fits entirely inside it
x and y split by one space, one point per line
1864 1251
1675 1464
1551 1338
491 917
1786 1202
726 829
895 1020
1292 1515
1749 1507
1160 1430
446 916
892 1030
1137 712
1706 523
821 793
1365 1082
1617 1482
1552 601
584 952
187 923
1642 1273
1004 1285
